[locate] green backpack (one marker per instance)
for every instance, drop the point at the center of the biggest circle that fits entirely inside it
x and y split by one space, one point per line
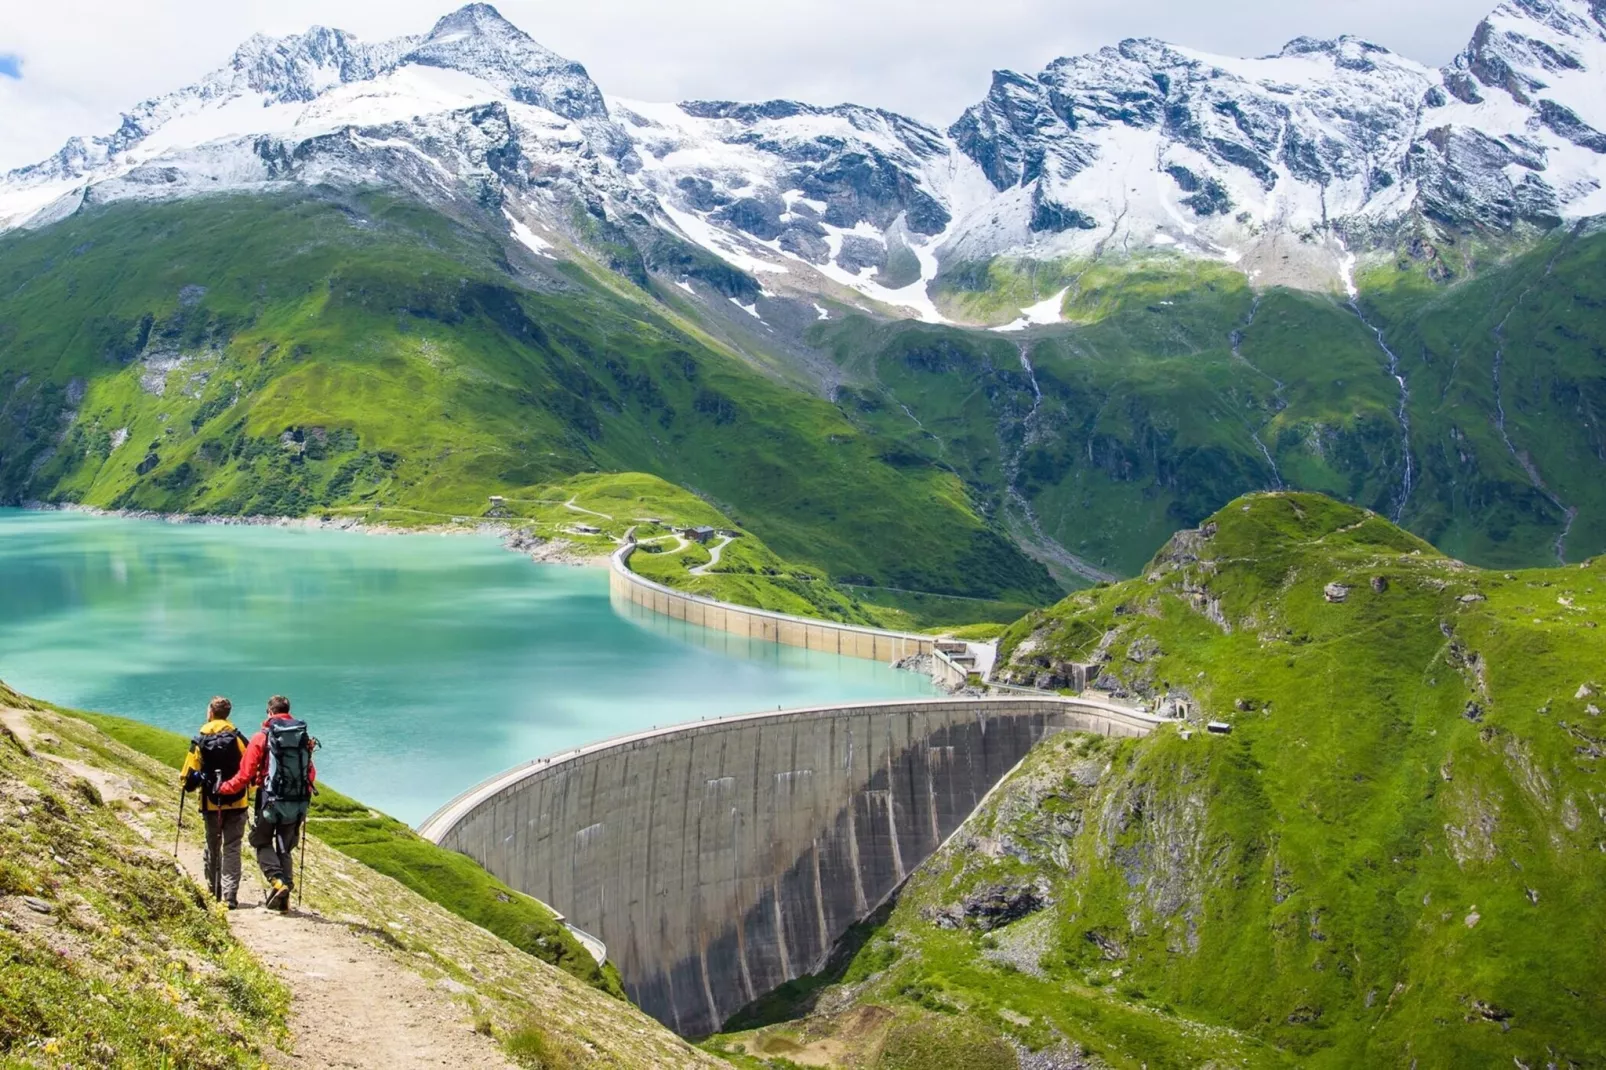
287 786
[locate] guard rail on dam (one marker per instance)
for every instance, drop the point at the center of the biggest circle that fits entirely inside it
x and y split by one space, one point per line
720 859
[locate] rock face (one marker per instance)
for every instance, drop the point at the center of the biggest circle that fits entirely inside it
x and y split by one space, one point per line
993 906
1280 164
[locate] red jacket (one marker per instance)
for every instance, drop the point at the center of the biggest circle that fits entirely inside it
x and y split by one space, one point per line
254 763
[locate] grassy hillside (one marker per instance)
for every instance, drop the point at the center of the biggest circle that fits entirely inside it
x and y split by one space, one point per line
293 354
747 572
108 956
1178 387
1392 859
1508 398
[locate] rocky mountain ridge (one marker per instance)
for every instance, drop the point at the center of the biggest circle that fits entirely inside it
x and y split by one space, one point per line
1280 166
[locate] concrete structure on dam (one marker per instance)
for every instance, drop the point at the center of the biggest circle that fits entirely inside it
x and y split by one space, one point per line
720 859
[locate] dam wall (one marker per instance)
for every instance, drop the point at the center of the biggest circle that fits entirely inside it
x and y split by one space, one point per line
849 640
721 859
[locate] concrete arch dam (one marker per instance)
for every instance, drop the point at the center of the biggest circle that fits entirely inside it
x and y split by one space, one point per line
721 859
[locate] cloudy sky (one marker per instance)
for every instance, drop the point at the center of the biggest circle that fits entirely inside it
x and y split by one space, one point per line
69 66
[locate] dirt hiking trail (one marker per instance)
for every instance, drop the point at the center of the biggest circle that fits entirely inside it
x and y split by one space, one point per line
352 1006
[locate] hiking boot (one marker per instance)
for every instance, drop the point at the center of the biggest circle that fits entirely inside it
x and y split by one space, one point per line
232 903
278 897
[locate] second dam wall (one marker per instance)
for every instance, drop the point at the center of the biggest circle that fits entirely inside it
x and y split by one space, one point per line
721 859
846 639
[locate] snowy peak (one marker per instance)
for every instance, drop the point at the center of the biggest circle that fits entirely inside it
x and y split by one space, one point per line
477 40
1353 53
300 67
1275 143
1515 131
1526 45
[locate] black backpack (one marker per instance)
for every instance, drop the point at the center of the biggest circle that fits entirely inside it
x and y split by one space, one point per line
287 785
220 760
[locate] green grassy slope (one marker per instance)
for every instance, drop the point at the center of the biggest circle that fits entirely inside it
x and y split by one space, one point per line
1493 498
1392 859
384 844
748 572
128 968
291 354
1143 416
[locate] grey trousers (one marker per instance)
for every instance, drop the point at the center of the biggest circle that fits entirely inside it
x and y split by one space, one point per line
275 846
224 831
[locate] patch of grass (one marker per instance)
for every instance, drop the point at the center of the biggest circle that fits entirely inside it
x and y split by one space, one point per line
943 1043
534 1045
456 882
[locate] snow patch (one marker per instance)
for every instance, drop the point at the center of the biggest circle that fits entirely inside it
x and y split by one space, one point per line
529 238
1346 270
716 241
751 310
1041 314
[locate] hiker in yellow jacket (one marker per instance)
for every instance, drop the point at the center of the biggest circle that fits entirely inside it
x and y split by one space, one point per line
214 757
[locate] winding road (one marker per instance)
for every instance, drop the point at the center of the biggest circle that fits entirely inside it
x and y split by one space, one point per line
713 555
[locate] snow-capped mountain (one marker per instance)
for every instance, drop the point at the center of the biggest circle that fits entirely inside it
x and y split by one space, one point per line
473 105
1281 165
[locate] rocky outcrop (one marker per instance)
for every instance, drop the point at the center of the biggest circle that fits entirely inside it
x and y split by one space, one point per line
993 906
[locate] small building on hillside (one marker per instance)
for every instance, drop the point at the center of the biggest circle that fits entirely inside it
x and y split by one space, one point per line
699 534
586 529
498 506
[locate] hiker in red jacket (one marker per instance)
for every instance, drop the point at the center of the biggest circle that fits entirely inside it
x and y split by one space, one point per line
278 762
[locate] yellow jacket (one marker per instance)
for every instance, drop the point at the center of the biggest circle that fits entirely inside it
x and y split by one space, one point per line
192 764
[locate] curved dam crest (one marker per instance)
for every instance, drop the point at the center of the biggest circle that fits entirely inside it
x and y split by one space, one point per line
720 859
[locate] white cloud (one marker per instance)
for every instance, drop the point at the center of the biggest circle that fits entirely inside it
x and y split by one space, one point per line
86 60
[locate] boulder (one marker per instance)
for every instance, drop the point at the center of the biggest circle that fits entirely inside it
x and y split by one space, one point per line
991 907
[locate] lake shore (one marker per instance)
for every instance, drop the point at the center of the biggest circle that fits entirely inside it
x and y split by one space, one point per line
514 539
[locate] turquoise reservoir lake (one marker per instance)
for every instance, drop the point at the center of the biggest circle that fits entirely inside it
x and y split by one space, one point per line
424 663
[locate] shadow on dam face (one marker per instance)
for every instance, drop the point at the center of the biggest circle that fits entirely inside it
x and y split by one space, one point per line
719 860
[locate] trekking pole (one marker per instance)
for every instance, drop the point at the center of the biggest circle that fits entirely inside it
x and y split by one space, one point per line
179 831
217 860
301 879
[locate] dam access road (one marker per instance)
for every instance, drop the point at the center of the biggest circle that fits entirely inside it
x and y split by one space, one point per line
720 859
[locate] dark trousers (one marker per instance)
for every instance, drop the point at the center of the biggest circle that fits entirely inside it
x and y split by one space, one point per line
224 831
275 845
